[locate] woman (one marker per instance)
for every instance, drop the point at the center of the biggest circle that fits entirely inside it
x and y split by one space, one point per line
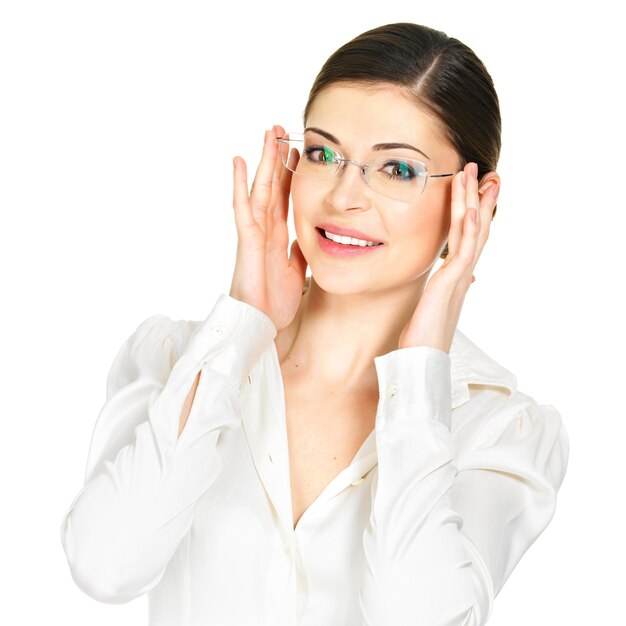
333 450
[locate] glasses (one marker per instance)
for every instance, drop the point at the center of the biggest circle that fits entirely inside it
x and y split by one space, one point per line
398 178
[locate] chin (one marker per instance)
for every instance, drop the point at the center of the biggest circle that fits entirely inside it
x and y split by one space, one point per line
343 283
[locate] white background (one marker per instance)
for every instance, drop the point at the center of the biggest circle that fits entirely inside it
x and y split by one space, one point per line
118 124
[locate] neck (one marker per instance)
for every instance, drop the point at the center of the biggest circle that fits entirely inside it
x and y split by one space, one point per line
334 338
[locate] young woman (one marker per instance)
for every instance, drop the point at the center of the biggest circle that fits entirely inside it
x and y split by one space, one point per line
332 450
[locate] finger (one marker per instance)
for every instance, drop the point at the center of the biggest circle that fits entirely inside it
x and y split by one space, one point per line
472 203
277 193
261 192
284 188
275 182
458 209
487 204
278 232
241 203
465 257
472 200
282 206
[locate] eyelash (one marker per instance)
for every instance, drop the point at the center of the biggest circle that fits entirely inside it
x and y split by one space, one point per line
309 149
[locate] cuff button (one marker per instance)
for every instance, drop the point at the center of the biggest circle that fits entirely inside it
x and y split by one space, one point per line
391 390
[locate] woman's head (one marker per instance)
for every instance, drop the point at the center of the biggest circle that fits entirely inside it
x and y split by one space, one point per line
439 74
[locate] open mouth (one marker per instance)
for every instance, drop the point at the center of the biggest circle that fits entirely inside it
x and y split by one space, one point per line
323 233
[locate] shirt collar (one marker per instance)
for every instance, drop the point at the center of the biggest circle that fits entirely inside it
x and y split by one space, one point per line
470 365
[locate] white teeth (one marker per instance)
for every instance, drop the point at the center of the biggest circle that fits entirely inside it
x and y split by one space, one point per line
349 240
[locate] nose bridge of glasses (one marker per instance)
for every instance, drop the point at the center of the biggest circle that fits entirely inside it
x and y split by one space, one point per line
342 167
363 167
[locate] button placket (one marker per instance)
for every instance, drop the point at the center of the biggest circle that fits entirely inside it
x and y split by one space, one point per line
288 545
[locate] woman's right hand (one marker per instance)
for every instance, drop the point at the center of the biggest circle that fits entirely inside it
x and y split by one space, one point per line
265 277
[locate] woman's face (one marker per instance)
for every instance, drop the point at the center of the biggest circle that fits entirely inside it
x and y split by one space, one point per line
413 233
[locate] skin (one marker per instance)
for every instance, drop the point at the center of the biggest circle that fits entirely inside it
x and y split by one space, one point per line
386 296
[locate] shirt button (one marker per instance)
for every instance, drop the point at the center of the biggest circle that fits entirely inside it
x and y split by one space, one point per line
391 390
218 330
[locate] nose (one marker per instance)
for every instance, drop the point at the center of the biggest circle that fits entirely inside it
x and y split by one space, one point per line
349 189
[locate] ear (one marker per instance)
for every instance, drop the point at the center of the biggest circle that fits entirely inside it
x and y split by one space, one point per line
489 182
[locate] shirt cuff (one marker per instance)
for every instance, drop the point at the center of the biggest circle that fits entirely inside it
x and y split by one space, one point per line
414 383
231 339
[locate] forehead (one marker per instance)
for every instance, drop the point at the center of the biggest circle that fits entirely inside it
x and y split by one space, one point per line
359 115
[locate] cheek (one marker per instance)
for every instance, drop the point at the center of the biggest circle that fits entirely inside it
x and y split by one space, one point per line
305 199
298 200
303 188
300 194
296 184
446 207
438 212
423 232
305 208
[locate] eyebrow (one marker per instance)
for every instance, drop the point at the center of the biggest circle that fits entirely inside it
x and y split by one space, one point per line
377 147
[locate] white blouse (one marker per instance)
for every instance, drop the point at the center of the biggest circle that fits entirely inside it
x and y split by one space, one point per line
456 481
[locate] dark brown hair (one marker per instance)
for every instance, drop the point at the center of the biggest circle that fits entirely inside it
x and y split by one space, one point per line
443 76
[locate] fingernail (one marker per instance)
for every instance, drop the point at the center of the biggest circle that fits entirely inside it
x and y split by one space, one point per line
463 178
475 170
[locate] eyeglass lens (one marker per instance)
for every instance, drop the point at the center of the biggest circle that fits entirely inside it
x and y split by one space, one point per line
393 176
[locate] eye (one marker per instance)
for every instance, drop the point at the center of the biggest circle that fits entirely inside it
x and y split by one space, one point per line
399 170
326 154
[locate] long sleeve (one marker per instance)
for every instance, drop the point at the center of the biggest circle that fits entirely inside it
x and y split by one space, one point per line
446 529
142 480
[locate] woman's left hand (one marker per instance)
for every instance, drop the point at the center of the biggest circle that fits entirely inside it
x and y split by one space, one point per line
437 313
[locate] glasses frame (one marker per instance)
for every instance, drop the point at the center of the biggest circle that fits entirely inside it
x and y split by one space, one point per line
366 166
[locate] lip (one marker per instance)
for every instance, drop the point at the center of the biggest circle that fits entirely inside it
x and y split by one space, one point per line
347 232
